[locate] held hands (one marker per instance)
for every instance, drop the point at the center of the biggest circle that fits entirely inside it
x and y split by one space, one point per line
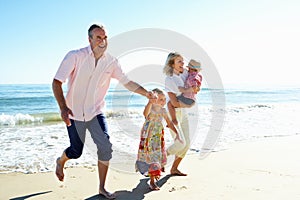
152 96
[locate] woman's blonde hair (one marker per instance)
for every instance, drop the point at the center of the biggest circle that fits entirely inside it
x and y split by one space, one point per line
168 68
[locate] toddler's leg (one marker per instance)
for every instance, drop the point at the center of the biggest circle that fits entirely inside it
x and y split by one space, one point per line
172 112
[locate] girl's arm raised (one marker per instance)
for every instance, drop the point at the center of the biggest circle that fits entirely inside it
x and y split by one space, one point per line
148 108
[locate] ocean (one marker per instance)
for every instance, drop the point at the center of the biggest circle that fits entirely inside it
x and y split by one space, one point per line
32 134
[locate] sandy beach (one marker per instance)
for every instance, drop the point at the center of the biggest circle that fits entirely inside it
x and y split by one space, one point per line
265 169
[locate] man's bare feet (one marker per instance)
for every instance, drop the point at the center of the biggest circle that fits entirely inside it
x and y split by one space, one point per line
59 170
176 172
107 194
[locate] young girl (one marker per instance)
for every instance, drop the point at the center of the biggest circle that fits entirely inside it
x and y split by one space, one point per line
152 156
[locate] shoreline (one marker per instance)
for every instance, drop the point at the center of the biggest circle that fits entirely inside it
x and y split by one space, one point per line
265 169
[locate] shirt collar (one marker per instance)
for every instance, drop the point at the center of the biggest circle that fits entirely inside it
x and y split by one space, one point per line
91 52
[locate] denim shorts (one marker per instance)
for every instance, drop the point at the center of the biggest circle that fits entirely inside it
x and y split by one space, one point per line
99 133
185 100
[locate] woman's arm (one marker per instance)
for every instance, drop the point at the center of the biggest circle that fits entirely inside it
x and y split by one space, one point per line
174 100
183 89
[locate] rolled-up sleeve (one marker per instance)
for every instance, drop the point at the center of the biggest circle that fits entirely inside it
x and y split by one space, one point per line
119 74
66 67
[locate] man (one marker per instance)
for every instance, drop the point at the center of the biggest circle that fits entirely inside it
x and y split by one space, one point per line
89 71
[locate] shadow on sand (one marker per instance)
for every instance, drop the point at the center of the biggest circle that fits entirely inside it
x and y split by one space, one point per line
30 195
138 193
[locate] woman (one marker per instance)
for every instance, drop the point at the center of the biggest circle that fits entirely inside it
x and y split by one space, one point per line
175 76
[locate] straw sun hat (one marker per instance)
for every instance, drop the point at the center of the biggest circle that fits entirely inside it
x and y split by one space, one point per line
194 64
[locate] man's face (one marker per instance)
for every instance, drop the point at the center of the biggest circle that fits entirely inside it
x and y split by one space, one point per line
98 41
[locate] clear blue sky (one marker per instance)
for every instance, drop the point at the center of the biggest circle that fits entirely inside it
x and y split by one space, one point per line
250 42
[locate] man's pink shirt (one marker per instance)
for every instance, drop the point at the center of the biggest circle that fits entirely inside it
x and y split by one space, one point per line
87 83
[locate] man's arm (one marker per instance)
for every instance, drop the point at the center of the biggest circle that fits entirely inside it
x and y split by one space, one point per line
59 96
136 88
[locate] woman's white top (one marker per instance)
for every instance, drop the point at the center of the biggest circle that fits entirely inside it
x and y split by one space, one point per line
173 82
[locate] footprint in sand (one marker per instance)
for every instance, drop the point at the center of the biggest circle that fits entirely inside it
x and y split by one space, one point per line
178 188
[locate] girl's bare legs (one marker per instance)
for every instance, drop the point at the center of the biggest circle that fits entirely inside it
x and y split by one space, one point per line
172 112
153 185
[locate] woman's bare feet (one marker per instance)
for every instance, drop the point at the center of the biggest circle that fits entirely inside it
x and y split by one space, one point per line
176 172
107 194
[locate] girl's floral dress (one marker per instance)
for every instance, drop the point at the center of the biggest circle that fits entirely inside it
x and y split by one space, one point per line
152 155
